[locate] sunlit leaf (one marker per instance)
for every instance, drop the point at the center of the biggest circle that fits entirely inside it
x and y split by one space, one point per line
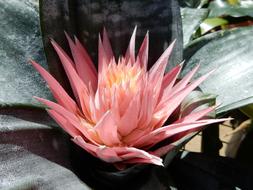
34 154
20 41
193 3
220 8
191 19
211 23
197 100
248 110
230 54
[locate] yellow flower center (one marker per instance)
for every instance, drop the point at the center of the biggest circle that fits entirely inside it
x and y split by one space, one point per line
122 76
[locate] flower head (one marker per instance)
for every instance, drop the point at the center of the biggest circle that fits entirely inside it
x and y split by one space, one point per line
119 111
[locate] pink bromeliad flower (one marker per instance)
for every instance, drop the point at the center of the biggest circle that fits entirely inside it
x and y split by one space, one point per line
119 111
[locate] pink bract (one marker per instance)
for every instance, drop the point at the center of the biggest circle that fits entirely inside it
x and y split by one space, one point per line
119 111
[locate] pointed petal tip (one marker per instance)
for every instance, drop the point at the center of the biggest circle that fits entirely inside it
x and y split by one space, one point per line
147 35
105 34
51 40
130 53
38 99
169 49
35 97
219 104
100 40
43 101
32 62
227 119
54 43
182 63
99 36
197 66
135 28
36 65
104 30
209 73
67 36
171 46
134 32
76 39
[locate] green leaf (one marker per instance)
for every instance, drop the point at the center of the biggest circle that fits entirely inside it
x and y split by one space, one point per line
230 54
197 100
248 110
20 41
191 19
193 3
211 23
220 8
33 152
87 18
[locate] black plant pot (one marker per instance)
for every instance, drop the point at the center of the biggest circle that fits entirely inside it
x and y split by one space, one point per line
101 175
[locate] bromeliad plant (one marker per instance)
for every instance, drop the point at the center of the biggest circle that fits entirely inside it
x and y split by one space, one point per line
119 111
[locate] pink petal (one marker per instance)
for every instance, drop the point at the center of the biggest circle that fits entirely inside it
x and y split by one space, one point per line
58 108
75 81
157 134
107 130
159 67
93 111
79 88
107 45
69 128
130 54
168 82
182 83
82 126
134 155
155 160
118 154
86 146
130 152
196 115
163 150
157 71
165 132
86 56
164 111
83 67
98 101
175 129
146 110
129 120
136 134
59 93
108 155
143 52
103 61
170 77
104 153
